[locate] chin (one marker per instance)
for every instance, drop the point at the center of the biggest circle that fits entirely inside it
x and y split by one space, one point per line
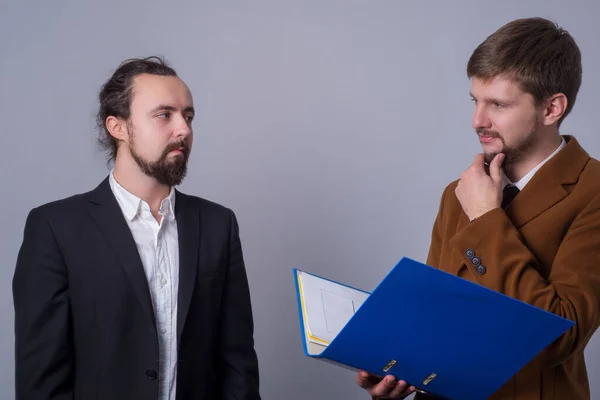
492 149
489 155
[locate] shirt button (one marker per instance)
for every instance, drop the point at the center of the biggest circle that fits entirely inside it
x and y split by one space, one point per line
470 253
151 374
476 261
163 331
163 281
481 269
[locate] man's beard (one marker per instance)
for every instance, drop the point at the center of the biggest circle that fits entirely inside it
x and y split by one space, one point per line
164 171
514 152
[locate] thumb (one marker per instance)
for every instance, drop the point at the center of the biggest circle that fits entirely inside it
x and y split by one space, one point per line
495 168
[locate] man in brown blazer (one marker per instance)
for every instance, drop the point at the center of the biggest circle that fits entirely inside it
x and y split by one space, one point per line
524 218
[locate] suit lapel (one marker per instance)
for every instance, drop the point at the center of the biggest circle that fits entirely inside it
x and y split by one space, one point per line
547 187
188 230
106 213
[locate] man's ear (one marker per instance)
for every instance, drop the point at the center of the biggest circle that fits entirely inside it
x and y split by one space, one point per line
117 128
555 108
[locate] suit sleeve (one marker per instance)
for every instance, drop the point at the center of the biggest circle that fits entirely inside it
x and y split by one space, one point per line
435 248
43 341
572 289
239 363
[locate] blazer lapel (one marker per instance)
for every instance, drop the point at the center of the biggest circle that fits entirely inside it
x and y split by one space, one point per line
547 187
106 213
188 230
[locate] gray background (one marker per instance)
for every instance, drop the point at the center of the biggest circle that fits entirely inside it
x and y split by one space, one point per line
330 127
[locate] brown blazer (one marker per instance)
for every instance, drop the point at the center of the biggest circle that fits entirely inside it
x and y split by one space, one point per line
544 249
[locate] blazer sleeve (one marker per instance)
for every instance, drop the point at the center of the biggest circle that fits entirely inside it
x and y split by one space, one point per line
239 363
435 248
43 341
572 289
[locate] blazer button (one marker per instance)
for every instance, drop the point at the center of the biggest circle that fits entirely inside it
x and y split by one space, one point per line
151 374
470 254
476 261
481 269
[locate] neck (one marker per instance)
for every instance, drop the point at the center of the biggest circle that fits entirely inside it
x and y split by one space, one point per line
129 175
538 152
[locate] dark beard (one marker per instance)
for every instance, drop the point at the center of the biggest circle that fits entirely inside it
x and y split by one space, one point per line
166 172
512 153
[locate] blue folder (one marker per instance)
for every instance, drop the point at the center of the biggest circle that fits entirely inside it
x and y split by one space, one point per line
446 336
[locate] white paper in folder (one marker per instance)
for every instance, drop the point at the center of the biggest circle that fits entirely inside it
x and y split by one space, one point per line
327 306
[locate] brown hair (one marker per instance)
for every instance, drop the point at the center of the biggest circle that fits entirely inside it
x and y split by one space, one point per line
537 54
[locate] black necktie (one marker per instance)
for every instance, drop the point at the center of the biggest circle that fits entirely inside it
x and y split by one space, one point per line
508 194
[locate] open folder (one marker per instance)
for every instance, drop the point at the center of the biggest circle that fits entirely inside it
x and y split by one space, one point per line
446 336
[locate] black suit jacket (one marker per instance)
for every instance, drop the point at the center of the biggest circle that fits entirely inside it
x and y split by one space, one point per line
84 323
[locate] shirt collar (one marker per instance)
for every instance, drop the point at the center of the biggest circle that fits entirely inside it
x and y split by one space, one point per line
131 205
524 180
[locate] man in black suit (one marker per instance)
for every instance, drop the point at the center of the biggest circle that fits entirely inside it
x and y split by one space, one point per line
135 290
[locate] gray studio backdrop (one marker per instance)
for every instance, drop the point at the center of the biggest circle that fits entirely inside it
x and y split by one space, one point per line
330 127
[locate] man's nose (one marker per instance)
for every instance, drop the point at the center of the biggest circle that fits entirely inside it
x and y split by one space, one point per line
183 127
480 118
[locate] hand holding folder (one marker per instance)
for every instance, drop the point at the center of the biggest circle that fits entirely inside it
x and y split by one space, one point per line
442 334
387 386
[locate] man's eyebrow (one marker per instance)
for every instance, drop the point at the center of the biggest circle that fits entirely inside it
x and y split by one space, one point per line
492 99
165 107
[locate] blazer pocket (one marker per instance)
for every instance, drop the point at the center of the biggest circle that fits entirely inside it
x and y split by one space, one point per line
211 273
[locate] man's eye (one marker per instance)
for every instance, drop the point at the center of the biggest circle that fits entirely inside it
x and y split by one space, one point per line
498 105
189 118
164 115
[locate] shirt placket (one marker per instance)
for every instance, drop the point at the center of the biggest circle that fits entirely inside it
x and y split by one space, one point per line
159 279
163 289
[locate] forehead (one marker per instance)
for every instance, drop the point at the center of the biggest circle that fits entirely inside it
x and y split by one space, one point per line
152 90
498 87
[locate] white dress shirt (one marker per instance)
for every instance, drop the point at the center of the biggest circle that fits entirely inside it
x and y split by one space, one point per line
158 247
